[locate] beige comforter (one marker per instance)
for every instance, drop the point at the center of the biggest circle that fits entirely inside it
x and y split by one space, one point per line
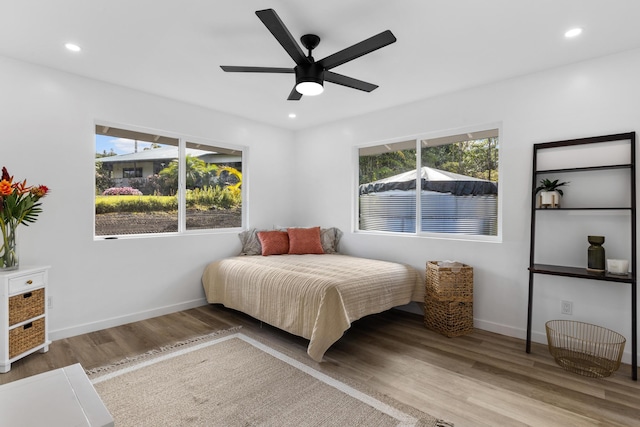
312 296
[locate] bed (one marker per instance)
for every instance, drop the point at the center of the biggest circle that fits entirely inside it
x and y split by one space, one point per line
315 296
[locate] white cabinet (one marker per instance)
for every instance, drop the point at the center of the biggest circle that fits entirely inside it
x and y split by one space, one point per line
23 314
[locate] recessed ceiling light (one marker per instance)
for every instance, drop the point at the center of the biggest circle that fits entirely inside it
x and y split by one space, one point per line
72 47
292 115
573 32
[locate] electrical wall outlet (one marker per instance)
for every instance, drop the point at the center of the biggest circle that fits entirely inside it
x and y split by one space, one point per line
566 307
49 302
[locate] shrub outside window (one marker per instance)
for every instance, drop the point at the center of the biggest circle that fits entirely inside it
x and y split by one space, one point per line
154 184
457 178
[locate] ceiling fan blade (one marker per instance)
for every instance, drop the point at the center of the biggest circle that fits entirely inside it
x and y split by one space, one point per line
357 50
272 21
241 69
294 95
339 79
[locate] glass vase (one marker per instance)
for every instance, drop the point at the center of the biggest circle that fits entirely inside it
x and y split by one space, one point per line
9 247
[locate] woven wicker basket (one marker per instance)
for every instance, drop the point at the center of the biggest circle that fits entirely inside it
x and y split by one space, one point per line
450 318
26 337
585 349
450 283
26 306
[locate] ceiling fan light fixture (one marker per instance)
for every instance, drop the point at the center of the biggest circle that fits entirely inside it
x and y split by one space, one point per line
309 88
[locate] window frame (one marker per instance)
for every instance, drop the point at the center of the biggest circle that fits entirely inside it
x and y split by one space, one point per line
134 170
183 140
443 134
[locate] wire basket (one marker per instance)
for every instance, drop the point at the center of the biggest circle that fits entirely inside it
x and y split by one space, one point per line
585 349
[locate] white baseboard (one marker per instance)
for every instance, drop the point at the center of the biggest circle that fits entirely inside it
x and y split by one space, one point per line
85 328
507 330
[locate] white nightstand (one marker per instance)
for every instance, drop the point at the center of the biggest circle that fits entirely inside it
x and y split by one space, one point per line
24 327
60 398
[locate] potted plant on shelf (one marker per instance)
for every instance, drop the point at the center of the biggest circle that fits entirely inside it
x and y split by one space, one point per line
550 193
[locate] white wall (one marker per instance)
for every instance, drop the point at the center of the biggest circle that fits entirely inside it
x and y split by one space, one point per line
47 137
587 99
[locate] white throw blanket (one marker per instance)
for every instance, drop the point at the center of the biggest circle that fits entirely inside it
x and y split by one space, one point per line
312 296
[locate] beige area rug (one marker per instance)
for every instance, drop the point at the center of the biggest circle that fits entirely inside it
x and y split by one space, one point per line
234 380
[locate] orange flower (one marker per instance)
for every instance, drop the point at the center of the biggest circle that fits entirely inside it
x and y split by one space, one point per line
5 188
21 187
19 204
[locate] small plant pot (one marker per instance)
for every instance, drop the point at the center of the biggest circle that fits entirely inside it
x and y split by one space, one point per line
549 199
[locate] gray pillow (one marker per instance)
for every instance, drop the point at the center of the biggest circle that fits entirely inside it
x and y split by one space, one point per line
330 237
250 242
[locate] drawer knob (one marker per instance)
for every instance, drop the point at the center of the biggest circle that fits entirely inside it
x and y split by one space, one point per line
29 282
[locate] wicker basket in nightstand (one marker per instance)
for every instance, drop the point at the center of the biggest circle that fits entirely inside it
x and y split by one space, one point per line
26 337
26 306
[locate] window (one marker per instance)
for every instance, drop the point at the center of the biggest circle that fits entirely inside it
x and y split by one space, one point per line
213 187
132 172
457 178
153 184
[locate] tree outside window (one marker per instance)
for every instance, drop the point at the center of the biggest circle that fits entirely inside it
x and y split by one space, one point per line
456 179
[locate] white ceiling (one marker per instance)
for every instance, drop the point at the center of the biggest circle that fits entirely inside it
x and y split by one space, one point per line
174 48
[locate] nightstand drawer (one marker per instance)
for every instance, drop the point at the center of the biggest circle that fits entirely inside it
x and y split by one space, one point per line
27 282
26 337
26 306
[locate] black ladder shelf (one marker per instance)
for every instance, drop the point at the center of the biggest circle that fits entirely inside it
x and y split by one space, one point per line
582 273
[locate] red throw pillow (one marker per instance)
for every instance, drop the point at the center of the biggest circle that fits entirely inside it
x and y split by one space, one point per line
305 241
274 242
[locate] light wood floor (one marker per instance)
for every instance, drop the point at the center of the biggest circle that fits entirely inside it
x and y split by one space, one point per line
482 379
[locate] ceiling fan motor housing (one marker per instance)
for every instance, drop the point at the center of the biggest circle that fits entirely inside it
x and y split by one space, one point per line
312 73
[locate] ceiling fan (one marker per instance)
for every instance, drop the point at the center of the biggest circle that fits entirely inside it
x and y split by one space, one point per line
311 74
